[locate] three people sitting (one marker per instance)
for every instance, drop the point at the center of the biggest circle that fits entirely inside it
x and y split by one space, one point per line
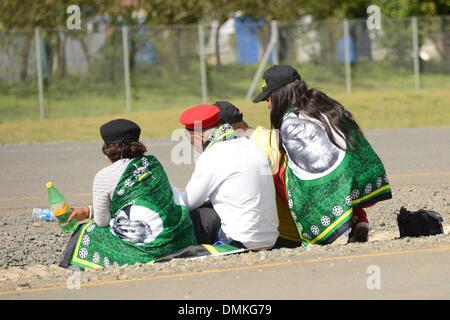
306 182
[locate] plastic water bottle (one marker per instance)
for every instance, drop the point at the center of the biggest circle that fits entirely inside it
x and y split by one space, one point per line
61 210
39 214
347 233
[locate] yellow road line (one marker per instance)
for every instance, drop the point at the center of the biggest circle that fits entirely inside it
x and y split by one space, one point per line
212 271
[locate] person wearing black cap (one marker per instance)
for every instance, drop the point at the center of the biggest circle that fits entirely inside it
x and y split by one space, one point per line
275 78
229 113
267 142
332 172
132 198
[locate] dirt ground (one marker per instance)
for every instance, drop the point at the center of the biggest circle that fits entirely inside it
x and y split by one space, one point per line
31 250
417 162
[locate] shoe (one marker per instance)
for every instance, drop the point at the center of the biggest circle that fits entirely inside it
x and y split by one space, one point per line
360 227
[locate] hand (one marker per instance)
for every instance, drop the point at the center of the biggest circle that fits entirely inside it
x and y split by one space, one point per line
79 214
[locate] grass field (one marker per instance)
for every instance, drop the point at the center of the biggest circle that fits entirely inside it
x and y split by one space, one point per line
382 97
372 109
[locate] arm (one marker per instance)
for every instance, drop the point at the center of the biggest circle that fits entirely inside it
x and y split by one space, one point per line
81 214
272 151
177 195
200 186
101 200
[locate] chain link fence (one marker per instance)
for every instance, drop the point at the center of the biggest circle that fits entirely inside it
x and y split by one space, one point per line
83 72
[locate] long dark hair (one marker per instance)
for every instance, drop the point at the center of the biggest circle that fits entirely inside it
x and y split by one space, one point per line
315 104
117 151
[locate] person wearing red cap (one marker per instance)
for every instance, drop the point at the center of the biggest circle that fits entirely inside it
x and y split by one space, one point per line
267 141
235 177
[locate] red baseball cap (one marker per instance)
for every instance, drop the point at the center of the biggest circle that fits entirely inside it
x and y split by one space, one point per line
204 116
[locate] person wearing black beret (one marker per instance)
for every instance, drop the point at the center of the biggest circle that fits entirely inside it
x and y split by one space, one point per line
132 198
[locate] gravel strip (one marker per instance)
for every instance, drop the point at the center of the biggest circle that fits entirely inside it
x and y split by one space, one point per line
30 250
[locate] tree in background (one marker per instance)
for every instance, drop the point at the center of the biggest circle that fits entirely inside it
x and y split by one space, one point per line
51 15
24 16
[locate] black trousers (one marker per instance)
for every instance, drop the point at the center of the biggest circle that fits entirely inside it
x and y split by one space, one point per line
207 225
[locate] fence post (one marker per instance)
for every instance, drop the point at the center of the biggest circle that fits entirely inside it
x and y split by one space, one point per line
415 43
126 67
348 68
37 37
274 31
202 56
270 47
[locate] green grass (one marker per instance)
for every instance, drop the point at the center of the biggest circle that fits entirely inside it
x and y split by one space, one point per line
372 109
382 97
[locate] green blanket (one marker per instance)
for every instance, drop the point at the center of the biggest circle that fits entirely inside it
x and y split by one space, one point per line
147 223
322 208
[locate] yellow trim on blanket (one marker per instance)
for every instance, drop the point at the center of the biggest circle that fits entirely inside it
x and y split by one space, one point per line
344 216
210 248
332 226
87 264
386 187
77 248
349 212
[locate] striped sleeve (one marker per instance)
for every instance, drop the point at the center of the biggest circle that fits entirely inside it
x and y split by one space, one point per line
105 182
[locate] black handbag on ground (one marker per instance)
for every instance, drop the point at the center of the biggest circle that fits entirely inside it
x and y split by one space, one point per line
419 223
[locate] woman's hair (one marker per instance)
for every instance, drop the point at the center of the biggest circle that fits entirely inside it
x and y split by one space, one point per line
315 104
117 151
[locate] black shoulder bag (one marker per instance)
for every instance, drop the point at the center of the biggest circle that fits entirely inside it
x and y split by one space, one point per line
419 223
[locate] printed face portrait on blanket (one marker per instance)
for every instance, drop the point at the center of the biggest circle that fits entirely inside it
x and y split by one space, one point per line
307 145
134 217
332 172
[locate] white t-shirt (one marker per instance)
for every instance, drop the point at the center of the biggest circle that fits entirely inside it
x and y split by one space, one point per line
236 177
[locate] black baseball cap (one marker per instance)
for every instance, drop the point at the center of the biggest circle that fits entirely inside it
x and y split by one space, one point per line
228 112
120 131
275 77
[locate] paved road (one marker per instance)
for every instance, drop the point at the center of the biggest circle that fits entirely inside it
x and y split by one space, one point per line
407 274
411 156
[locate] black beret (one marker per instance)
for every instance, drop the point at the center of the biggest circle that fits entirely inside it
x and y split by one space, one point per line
120 131
228 112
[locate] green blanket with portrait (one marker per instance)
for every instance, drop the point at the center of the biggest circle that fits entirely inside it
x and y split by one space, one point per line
146 222
323 208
